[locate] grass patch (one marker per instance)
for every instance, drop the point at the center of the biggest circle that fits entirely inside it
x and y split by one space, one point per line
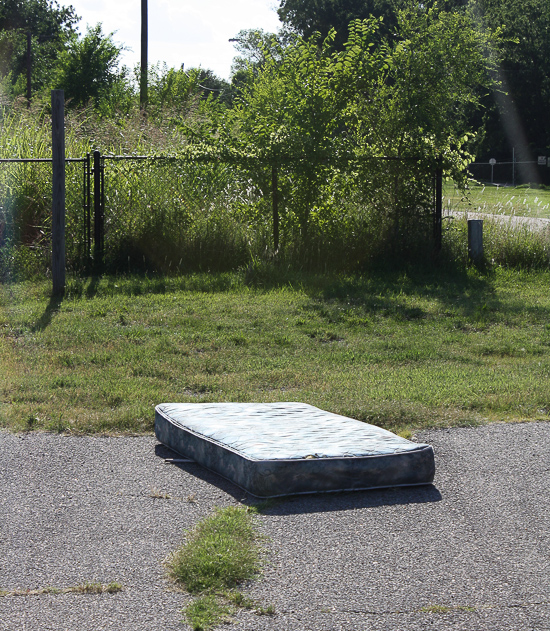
442 609
521 201
403 350
435 609
207 612
220 553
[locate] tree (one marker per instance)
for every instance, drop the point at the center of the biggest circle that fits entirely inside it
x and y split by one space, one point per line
50 26
310 16
514 116
180 89
254 46
307 17
328 116
88 69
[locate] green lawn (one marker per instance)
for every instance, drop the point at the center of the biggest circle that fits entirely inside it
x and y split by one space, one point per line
520 201
401 351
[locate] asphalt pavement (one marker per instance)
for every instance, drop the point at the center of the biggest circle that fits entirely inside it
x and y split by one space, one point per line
471 552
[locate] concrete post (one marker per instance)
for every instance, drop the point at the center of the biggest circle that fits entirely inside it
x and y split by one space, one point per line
475 240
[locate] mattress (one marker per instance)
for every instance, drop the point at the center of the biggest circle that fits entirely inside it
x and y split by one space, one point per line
278 449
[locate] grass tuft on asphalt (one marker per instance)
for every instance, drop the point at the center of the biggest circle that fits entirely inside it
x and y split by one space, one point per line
219 554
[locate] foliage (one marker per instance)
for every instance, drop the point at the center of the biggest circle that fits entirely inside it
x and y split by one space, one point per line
519 116
171 214
180 90
310 106
50 26
514 116
307 17
88 70
255 46
354 135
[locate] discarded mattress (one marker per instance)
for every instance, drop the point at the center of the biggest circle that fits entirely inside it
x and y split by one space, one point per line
275 449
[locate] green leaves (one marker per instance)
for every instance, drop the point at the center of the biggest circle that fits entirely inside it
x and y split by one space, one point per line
313 110
88 67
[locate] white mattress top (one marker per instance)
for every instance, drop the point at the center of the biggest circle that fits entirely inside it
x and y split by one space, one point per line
284 431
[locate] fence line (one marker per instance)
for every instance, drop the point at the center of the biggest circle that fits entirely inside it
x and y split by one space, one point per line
105 189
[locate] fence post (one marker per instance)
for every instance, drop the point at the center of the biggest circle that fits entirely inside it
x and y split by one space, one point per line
438 209
475 240
98 213
275 201
87 209
58 192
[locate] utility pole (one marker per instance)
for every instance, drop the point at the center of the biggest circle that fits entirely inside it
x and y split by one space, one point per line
144 38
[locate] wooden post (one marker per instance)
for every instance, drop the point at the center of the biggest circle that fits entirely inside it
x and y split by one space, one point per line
29 68
475 240
58 192
144 61
275 200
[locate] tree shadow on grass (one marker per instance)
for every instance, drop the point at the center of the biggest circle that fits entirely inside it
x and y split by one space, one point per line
388 291
51 309
308 503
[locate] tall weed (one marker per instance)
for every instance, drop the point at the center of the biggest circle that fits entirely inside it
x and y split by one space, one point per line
506 243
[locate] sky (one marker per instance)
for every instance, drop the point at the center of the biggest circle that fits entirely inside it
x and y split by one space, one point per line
192 32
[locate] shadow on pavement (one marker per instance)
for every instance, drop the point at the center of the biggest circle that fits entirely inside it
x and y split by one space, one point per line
314 503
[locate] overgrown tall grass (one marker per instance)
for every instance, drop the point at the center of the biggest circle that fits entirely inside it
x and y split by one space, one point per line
160 215
514 232
174 215
505 244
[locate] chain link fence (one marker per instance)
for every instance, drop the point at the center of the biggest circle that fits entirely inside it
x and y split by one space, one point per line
167 214
25 216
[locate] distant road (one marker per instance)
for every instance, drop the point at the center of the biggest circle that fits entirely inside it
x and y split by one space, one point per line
533 223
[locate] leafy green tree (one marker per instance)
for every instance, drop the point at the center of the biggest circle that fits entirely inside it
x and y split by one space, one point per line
254 46
88 69
307 17
181 90
327 117
50 26
517 114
